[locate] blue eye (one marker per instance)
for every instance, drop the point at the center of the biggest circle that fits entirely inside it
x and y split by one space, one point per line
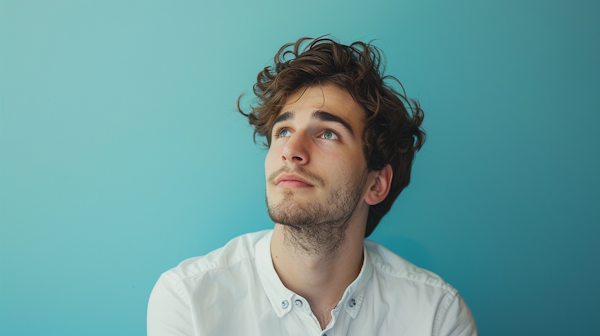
329 135
283 133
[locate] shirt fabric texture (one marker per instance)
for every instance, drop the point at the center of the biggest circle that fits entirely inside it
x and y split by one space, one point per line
235 290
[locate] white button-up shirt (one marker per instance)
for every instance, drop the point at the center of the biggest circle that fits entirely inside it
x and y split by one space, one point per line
235 291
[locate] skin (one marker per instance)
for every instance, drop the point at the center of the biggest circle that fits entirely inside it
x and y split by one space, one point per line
309 160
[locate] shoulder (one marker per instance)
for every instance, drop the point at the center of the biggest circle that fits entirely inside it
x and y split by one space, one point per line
238 250
390 265
201 283
420 292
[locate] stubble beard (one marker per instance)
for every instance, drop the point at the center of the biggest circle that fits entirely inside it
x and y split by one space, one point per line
318 229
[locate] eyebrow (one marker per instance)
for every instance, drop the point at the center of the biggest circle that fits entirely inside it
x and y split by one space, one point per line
283 117
319 115
326 116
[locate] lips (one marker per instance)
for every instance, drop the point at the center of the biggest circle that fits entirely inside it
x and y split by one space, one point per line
291 180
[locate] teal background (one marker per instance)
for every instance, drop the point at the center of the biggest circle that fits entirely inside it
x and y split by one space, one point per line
121 155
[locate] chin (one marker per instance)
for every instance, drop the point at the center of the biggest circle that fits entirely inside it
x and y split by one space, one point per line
292 212
285 202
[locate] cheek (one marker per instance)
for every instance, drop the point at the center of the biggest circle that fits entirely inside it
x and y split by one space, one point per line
271 159
344 160
347 167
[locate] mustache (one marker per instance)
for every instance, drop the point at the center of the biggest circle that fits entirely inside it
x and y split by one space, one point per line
311 177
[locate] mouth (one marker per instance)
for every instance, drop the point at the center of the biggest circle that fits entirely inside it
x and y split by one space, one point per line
292 181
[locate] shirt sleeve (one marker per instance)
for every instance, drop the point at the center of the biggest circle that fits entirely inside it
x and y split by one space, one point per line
169 311
457 320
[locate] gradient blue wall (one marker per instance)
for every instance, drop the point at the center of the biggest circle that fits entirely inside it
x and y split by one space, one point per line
120 153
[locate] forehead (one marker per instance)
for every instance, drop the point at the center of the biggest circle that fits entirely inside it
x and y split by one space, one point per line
330 98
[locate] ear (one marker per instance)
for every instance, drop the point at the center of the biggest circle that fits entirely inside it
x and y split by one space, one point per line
379 185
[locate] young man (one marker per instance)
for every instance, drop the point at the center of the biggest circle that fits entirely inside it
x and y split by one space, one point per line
341 145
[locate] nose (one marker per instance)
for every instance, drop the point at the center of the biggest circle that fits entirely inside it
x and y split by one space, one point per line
296 149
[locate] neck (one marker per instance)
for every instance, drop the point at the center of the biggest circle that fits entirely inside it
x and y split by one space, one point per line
320 273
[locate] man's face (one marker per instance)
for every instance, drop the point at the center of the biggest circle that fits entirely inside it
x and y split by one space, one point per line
315 168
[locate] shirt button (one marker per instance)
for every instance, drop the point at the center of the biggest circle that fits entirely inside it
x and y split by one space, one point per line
298 303
352 303
284 304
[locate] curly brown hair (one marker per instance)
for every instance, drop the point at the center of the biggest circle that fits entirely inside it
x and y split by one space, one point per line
391 134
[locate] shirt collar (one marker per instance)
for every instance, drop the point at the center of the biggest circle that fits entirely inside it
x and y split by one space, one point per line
281 297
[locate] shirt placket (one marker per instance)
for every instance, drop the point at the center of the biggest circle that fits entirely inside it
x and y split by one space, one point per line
302 310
